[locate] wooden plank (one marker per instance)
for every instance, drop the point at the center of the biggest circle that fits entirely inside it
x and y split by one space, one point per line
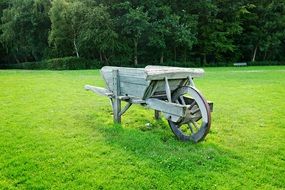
128 78
167 90
116 101
156 114
166 107
99 90
125 71
160 72
133 89
125 108
173 84
129 89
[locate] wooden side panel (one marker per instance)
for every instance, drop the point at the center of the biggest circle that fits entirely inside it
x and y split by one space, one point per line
132 80
136 81
173 84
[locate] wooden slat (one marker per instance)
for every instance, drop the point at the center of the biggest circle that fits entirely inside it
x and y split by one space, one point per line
131 89
166 107
173 84
128 78
160 72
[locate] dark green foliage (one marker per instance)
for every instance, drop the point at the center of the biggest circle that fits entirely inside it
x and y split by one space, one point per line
66 63
24 29
138 33
71 63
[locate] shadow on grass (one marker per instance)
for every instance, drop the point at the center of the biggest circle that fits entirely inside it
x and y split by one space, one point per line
159 148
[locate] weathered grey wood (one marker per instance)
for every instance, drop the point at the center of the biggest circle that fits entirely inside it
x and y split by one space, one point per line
99 90
134 79
160 72
211 105
167 90
124 97
172 111
156 114
191 82
116 101
125 108
137 101
191 103
129 75
173 85
133 89
156 87
150 89
138 82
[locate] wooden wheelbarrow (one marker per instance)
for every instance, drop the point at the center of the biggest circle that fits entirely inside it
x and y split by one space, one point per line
169 90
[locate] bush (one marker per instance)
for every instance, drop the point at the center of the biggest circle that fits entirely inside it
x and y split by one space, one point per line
263 63
71 63
74 63
24 65
66 63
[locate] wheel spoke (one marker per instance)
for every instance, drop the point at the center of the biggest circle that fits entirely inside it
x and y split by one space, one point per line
192 104
190 127
182 100
196 117
195 110
195 124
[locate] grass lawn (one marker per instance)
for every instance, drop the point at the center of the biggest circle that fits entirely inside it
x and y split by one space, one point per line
55 135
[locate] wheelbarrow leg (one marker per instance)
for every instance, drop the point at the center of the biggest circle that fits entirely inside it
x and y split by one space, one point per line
156 114
116 103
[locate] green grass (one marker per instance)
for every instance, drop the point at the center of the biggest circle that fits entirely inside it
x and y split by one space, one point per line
55 135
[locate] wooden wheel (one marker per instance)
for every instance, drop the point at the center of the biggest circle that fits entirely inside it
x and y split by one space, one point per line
196 124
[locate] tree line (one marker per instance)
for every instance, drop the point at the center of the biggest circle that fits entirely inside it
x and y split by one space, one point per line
143 32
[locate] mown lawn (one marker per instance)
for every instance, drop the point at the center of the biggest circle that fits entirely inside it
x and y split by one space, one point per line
55 135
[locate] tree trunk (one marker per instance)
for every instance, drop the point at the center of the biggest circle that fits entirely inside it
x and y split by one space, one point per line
75 48
265 55
135 52
101 58
35 56
185 55
161 57
106 59
15 57
204 60
175 53
254 53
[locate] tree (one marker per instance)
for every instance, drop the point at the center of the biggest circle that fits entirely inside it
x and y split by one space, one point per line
98 32
134 24
264 26
67 20
82 27
217 25
160 29
24 29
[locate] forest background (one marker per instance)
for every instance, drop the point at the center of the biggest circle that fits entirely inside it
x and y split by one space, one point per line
80 34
